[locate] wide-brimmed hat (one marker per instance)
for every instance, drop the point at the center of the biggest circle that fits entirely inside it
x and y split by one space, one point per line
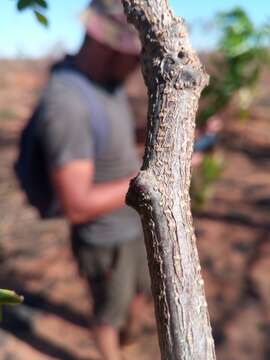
106 22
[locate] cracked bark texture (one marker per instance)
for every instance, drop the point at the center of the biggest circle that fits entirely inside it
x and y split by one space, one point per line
160 193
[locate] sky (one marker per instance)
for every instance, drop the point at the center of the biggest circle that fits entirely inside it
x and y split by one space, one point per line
22 36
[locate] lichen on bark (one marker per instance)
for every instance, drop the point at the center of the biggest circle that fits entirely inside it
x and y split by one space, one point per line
175 78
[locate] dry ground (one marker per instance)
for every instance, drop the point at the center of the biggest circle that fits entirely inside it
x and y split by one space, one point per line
233 240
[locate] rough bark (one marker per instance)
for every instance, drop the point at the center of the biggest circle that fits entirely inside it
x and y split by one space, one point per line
160 193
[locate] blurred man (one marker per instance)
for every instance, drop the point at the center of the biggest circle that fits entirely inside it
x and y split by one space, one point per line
88 140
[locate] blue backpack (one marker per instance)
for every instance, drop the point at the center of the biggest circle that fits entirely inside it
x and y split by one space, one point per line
30 167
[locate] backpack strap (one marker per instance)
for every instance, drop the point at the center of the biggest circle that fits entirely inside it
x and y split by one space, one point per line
98 116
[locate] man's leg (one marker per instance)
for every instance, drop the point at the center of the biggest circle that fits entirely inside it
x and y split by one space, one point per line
107 341
138 319
112 293
111 274
95 264
135 321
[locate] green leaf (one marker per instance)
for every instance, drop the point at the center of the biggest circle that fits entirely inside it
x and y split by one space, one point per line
41 18
42 3
22 4
8 297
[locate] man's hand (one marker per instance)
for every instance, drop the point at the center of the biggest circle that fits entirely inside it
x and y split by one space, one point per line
81 199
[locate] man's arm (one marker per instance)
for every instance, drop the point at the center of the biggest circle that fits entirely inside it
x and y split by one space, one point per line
80 198
69 151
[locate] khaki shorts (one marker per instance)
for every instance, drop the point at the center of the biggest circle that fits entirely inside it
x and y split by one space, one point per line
115 275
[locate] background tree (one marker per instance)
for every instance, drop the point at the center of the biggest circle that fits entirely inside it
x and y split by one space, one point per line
235 68
236 64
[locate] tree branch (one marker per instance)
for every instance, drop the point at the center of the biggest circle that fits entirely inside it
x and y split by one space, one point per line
160 193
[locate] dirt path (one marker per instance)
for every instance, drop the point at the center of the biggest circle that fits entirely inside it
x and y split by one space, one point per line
233 238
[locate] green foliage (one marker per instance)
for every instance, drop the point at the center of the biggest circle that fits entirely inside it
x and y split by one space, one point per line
38 7
204 179
235 69
8 297
237 64
22 4
41 18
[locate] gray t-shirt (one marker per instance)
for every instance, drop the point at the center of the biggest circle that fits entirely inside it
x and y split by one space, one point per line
67 135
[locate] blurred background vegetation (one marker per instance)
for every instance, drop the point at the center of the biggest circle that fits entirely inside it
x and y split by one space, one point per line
235 68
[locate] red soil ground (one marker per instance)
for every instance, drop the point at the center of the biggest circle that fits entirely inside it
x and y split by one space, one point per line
233 240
